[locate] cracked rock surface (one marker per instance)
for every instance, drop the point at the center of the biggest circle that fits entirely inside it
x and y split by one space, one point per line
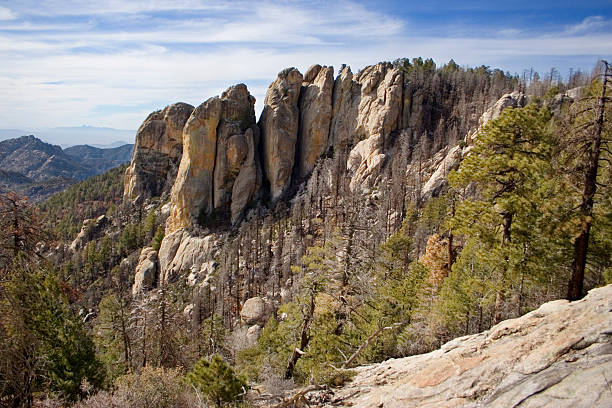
559 355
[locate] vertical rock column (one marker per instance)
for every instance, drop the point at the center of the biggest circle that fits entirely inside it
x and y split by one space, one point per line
315 104
279 127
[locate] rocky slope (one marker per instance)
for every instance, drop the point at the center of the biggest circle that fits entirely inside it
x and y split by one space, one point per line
215 161
559 355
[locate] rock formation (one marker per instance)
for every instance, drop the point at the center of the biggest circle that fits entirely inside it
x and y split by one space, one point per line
92 228
157 152
215 147
180 251
279 129
315 105
558 355
146 271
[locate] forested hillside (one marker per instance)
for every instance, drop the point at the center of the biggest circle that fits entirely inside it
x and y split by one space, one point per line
441 201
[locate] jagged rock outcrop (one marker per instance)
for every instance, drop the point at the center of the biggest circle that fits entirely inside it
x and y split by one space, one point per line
367 108
157 152
217 140
92 228
315 106
279 129
181 251
146 271
558 355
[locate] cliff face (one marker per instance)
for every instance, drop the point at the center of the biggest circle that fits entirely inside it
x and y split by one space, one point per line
381 125
558 355
157 152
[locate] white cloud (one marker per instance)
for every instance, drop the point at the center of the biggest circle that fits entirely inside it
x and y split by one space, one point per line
76 70
589 24
6 14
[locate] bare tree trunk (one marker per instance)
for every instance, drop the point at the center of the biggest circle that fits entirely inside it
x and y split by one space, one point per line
581 244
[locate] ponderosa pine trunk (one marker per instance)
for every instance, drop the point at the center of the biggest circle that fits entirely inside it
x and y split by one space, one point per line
581 244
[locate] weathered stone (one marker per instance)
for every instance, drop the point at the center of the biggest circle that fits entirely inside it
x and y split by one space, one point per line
157 152
181 251
253 311
378 114
192 190
249 177
216 148
559 355
92 228
279 129
315 104
146 271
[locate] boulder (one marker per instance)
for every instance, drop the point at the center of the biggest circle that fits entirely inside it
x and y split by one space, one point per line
157 152
253 311
279 129
315 105
146 271
558 355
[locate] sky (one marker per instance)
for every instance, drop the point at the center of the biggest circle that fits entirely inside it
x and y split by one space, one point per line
109 63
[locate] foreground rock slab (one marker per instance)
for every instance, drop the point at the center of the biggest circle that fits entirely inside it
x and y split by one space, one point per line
559 355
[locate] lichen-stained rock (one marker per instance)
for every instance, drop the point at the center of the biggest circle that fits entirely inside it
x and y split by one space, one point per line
559 355
215 148
192 190
345 102
157 152
315 106
181 251
146 271
279 129
381 100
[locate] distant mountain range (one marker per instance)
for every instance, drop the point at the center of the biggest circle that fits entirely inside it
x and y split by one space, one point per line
37 169
102 137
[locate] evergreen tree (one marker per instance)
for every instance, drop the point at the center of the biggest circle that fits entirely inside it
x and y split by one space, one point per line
510 166
216 379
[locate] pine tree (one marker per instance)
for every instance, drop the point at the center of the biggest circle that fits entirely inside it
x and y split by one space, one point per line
510 166
216 379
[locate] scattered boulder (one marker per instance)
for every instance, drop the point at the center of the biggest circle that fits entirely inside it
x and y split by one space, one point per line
253 311
252 335
146 271
181 251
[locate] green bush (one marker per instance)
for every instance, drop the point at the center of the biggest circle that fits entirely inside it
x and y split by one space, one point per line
216 380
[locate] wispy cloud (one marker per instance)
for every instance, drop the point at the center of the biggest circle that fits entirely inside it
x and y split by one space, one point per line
69 61
6 14
589 24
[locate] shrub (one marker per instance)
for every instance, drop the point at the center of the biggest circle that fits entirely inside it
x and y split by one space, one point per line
216 380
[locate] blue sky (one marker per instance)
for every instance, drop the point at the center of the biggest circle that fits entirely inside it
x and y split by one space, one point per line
109 63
